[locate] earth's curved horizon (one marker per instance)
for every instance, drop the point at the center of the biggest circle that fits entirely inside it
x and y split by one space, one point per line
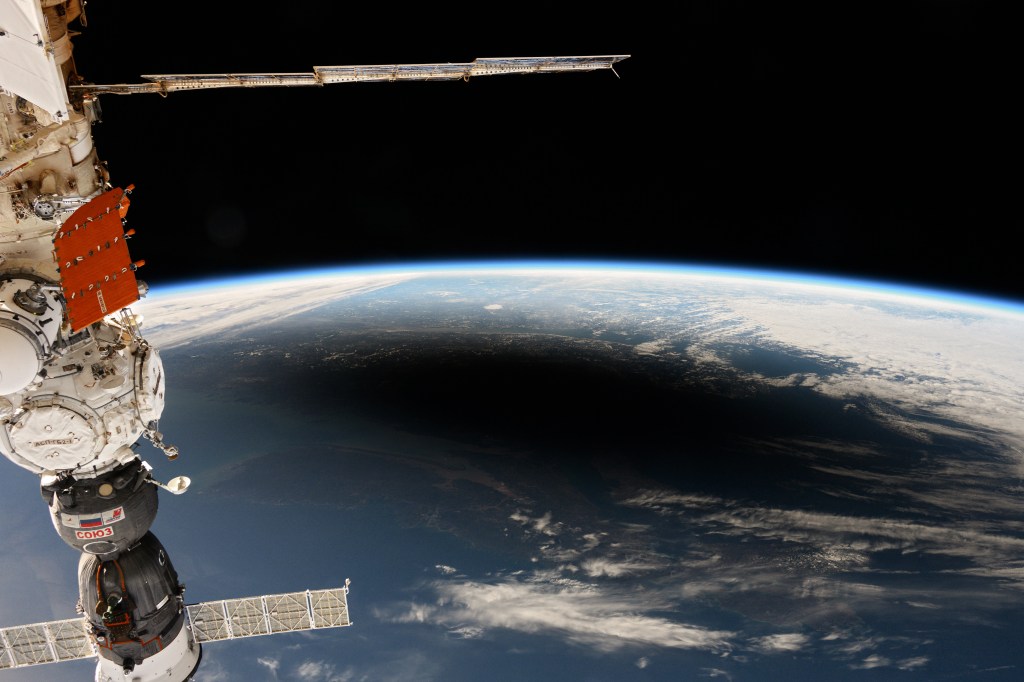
893 286
591 470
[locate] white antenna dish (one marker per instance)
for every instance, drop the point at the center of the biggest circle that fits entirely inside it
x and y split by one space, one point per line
179 484
175 486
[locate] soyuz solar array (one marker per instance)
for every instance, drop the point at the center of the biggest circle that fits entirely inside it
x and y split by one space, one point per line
71 639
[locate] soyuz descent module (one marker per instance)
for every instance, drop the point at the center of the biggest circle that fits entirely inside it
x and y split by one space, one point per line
80 385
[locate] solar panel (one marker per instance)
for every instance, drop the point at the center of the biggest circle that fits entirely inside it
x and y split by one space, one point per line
52 642
70 639
269 614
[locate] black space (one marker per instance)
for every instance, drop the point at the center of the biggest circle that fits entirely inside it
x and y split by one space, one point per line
851 139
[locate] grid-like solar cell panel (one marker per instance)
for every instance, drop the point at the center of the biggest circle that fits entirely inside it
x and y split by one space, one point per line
269 614
52 642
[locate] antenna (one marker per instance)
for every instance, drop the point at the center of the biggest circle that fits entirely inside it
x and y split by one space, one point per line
175 486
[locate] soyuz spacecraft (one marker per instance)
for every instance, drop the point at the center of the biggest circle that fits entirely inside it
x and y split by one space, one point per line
80 385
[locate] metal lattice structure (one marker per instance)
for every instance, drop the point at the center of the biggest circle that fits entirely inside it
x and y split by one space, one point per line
270 614
52 642
71 639
323 75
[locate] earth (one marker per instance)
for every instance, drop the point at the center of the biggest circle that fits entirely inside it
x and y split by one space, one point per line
591 471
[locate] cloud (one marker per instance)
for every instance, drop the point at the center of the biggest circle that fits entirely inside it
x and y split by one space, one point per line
466 632
540 524
667 502
585 600
773 644
844 542
588 615
181 316
270 663
912 663
653 347
872 534
866 653
859 645
320 671
872 661
941 358
311 670
612 568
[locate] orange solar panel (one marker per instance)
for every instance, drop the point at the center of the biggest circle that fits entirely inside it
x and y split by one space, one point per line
97 274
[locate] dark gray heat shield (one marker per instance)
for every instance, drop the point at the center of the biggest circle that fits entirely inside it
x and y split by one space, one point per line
103 515
133 602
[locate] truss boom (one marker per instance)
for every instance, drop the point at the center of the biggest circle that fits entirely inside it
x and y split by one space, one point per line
323 75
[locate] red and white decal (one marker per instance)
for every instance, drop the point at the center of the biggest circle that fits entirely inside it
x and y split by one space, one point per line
93 520
93 534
